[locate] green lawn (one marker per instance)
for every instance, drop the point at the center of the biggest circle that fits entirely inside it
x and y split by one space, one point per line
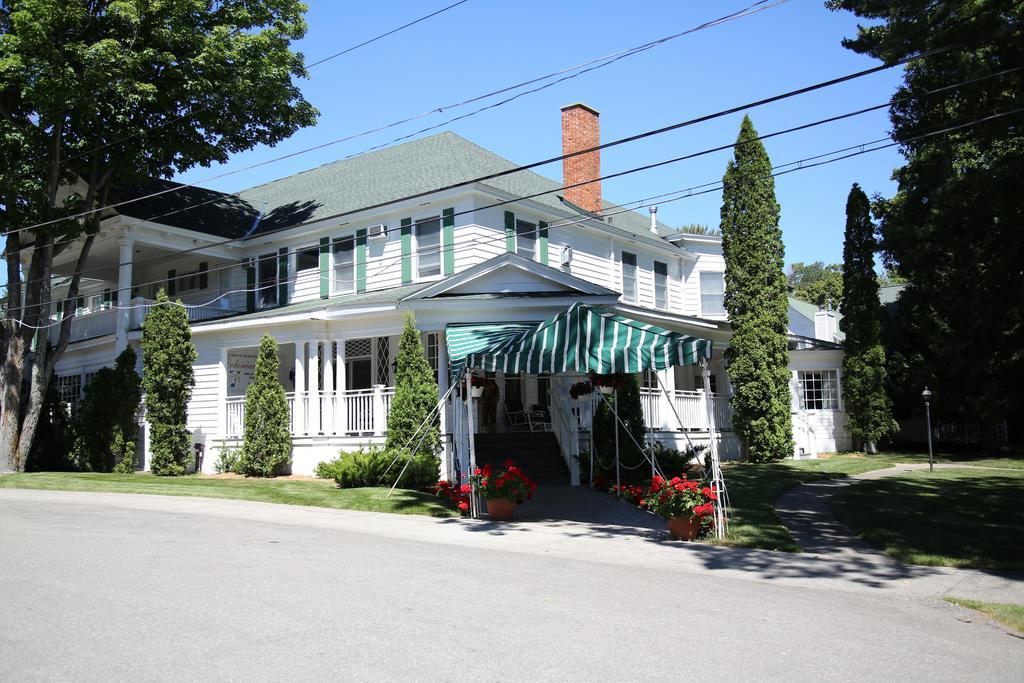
949 517
316 493
1008 615
753 490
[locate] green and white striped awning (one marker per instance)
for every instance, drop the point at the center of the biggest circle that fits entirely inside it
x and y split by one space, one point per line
581 339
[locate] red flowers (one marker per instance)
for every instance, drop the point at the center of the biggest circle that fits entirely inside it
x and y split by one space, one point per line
676 497
507 482
459 496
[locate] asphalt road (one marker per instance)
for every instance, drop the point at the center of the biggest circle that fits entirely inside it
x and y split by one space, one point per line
98 592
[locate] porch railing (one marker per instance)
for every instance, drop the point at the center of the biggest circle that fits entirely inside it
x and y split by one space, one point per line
690 407
103 322
324 413
140 307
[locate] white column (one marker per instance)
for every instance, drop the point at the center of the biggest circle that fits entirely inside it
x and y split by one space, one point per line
380 420
341 405
222 383
442 388
313 389
126 251
300 389
330 396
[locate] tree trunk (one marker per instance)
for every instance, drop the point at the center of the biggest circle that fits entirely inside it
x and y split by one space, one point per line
871 448
10 419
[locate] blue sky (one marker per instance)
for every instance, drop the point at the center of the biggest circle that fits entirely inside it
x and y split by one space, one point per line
485 44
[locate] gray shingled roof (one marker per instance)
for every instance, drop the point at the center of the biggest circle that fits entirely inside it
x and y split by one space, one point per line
351 184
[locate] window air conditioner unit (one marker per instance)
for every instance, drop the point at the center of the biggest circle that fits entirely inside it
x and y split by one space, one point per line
566 258
378 231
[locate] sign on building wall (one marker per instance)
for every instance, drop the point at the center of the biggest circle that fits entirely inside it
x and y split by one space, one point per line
241 367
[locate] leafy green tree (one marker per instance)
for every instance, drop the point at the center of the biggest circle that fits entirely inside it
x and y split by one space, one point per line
864 376
700 229
953 227
96 97
267 441
106 423
631 413
416 396
51 449
890 277
167 380
817 283
755 298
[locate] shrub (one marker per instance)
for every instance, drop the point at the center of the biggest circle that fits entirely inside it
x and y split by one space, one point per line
267 441
416 396
634 467
227 461
675 462
51 448
373 467
106 424
167 357
327 469
457 495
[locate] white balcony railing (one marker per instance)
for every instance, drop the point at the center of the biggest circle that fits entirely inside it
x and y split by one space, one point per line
343 413
103 322
690 407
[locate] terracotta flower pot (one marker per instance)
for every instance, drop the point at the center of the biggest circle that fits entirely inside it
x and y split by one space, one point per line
684 528
500 508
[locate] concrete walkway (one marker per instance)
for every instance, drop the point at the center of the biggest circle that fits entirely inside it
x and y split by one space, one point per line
806 511
608 542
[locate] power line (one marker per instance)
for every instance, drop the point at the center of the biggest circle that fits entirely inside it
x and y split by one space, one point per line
328 58
704 152
685 193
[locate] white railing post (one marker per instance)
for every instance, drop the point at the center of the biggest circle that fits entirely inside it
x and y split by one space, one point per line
340 407
126 252
330 395
313 388
380 422
299 419
704 399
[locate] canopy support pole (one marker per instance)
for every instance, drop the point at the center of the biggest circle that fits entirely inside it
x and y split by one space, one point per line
618 476
474 507
717 480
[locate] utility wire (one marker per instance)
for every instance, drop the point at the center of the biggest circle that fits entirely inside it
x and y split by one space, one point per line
704 152
328 58
685 193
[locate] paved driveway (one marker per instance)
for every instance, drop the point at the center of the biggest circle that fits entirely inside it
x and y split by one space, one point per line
120 587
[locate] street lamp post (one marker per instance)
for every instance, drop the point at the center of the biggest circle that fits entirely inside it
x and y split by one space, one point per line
927 396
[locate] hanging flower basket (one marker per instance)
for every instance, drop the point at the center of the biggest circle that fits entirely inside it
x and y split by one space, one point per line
480 384
607 391
581 390
476 392
608 384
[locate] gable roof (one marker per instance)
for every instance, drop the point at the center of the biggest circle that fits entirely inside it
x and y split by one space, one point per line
349 185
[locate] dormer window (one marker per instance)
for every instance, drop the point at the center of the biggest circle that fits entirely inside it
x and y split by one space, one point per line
628 276
526 239
428 247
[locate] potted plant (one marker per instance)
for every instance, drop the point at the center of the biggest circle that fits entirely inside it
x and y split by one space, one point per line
477 384
608 384
684 504
504 487
581 390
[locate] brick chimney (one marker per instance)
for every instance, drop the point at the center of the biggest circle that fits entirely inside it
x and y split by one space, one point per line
581 129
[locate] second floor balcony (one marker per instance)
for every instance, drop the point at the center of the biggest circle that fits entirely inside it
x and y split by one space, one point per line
91 324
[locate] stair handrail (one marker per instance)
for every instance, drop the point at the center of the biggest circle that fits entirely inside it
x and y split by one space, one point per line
567 435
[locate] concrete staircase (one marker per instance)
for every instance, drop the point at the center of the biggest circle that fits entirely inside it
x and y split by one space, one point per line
536 453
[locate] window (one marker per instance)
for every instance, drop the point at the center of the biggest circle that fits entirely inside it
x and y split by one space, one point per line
649 379
69 389
819 389
660 284
698 382
267 279
712 293
358 369
197 279
628 276
383 360
526 239
307 259
430 350
344 265
428 247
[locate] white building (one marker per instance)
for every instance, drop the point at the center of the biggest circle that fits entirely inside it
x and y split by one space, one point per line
328 261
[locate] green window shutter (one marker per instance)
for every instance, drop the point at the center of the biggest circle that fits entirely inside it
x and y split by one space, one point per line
361 260
250 286
325 267
79 304
510 232
542 232
448 241
406 251
282 276
172 283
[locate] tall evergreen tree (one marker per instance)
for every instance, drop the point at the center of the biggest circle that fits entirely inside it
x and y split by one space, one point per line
167 380
416 396
106 423
864 385
631 413
953 228
755 298
267 440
